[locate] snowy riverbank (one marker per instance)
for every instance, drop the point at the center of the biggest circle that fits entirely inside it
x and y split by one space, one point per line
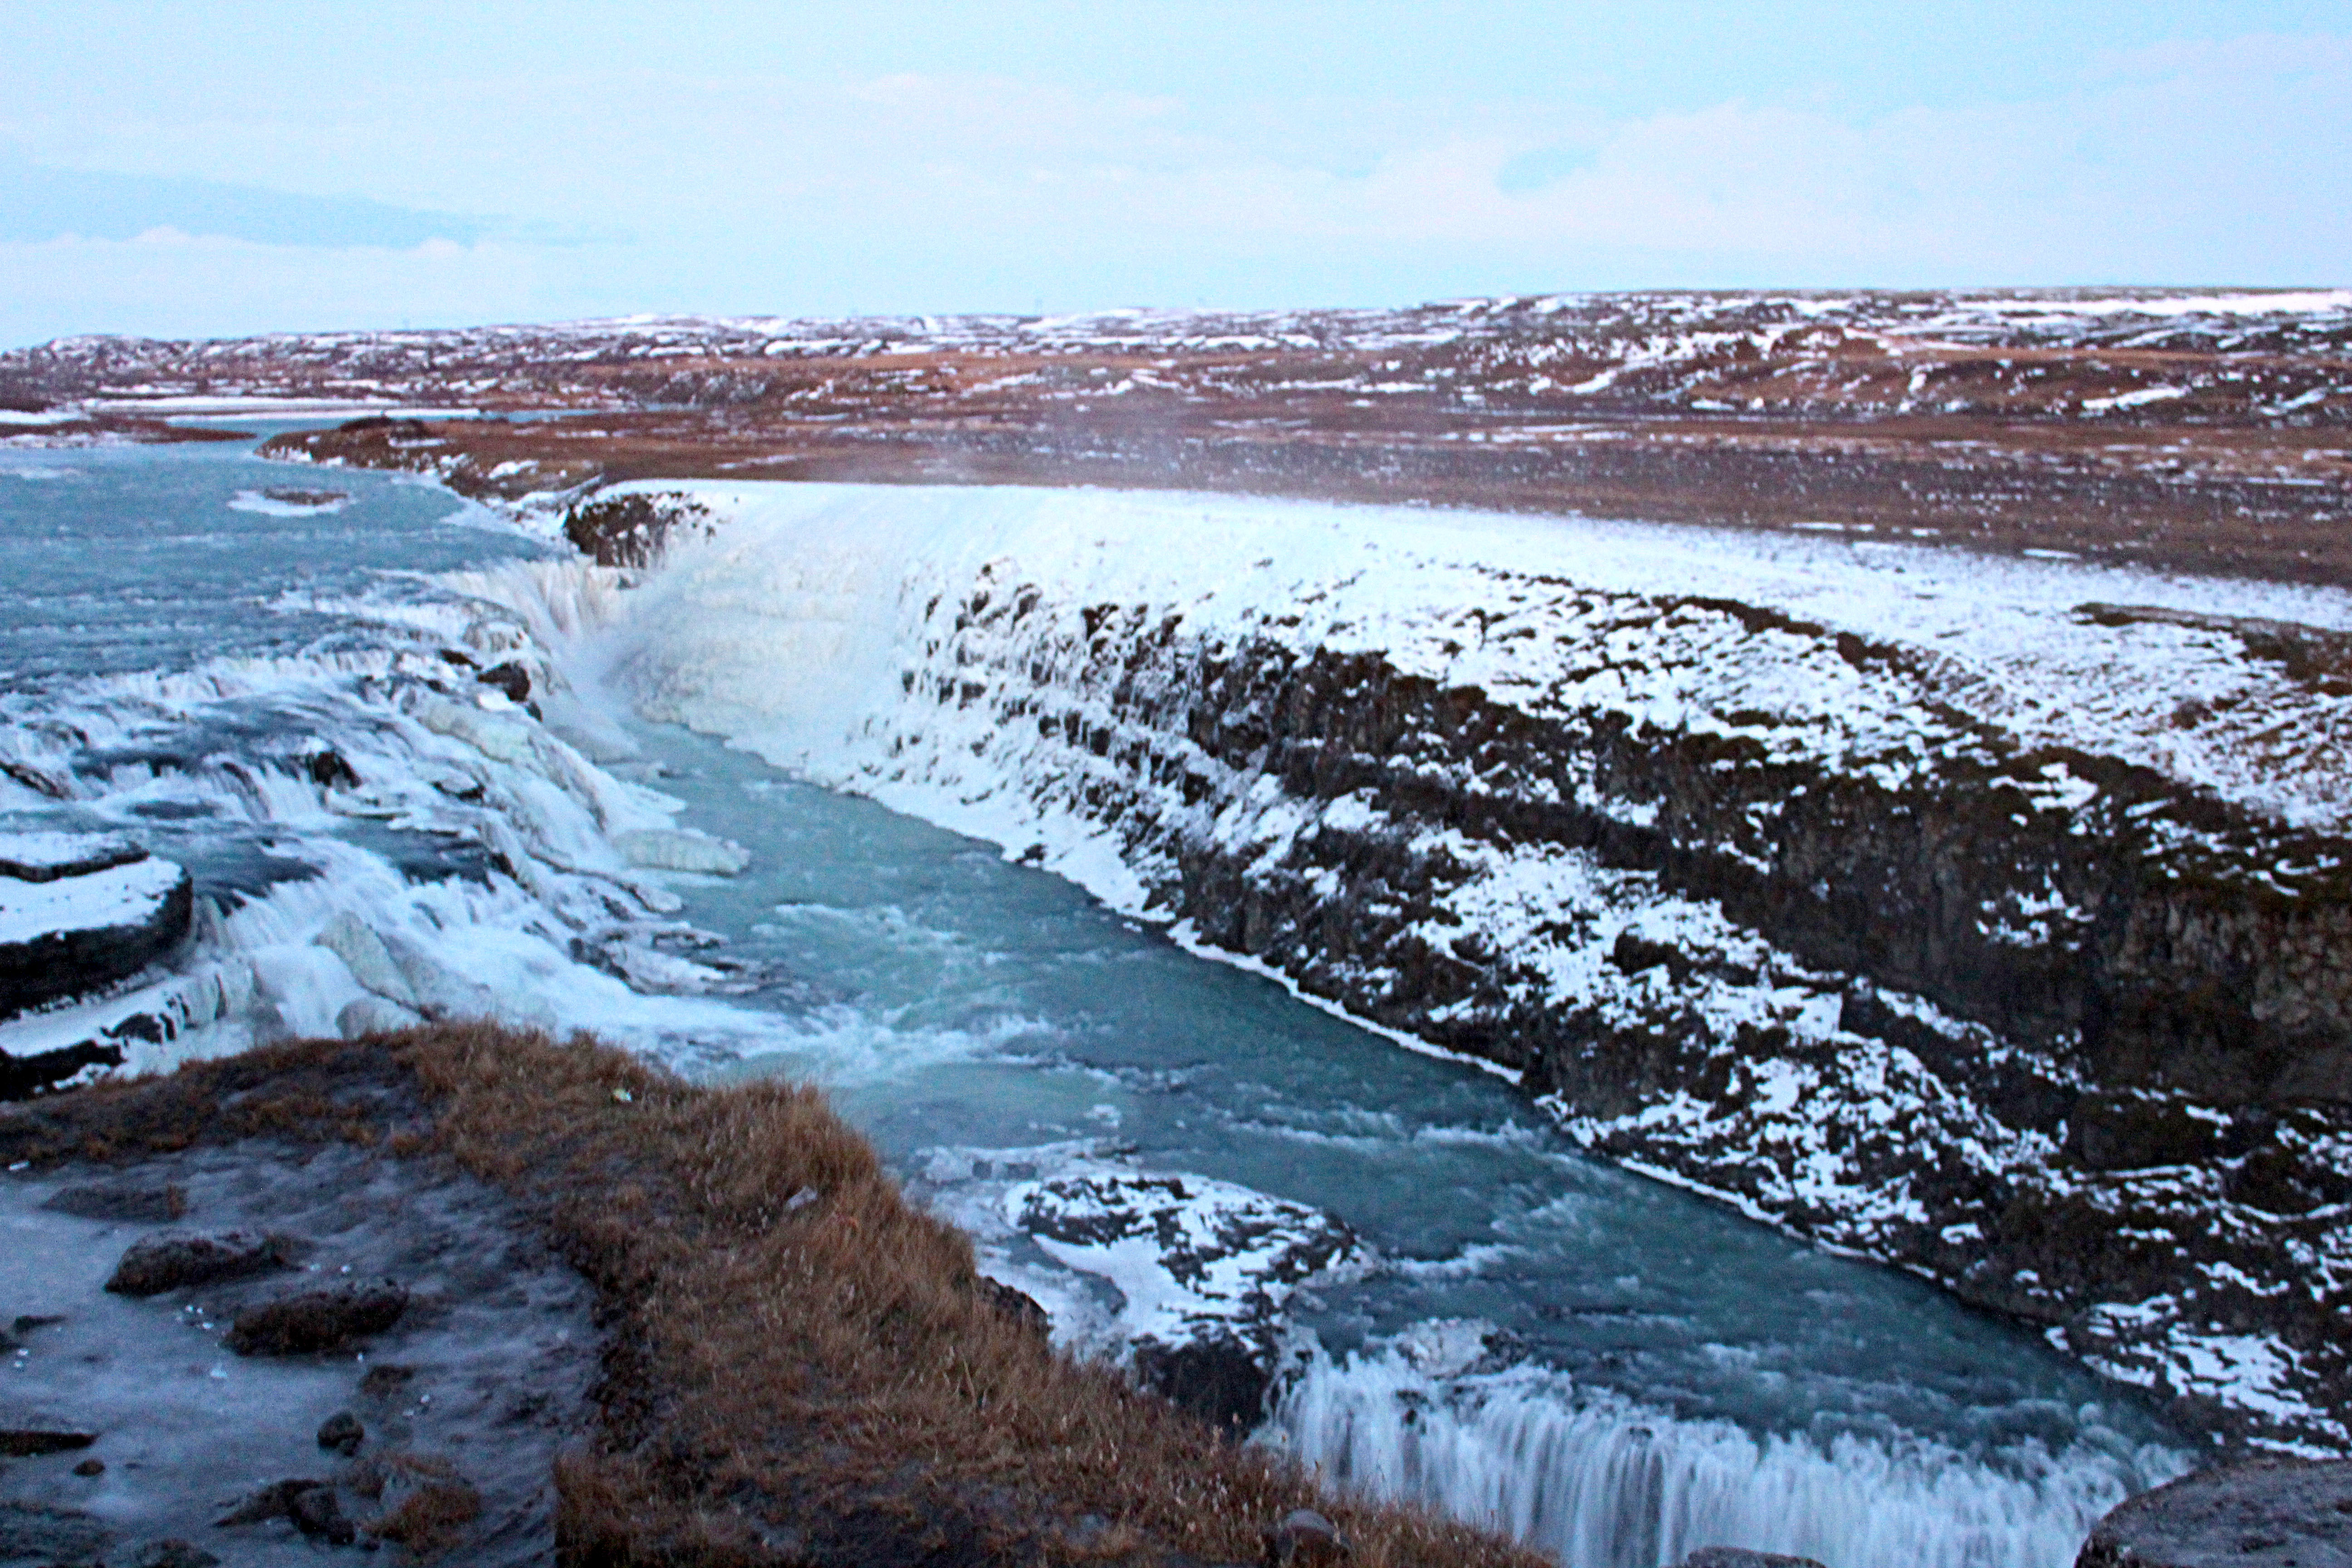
1893 894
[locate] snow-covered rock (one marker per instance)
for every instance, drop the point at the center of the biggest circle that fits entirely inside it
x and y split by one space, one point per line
1202 1270
79 913
1183 1279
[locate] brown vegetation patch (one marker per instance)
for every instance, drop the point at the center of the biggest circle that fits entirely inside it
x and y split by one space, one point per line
827 1379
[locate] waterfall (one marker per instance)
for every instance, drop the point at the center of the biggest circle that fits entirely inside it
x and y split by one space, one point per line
1598 1481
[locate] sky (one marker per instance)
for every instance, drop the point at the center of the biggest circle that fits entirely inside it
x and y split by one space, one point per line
177 169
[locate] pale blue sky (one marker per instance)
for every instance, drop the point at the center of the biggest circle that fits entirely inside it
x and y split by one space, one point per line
173 168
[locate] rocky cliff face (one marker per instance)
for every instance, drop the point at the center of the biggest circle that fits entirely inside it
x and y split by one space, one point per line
1834 933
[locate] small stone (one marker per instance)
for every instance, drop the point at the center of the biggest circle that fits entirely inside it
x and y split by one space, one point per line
341 1433
173 1552
1303 1539
385 1380
172 1260
317 1320
91 1468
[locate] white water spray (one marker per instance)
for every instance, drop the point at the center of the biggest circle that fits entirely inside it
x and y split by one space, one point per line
1600 1482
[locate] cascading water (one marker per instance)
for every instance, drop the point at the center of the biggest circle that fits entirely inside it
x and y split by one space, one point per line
1599 1480
1616 1370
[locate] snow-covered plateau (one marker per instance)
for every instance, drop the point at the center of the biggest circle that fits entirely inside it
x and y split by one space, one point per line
1988 918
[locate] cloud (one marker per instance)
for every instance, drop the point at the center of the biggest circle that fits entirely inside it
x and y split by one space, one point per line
39 202
925 191
164 283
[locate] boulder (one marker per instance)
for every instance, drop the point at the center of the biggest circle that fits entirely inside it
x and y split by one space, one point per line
174 1261
1740 1557
1216 1377
44 856
2267 1513
317 1321
1207 1267
311 1504
386 1380
81 910
511 678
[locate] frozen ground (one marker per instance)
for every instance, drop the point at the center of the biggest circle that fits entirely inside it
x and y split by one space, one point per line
482 1379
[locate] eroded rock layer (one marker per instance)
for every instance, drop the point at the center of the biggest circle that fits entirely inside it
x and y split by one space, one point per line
2010 989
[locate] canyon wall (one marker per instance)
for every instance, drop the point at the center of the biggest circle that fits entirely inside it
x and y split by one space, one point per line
1980 921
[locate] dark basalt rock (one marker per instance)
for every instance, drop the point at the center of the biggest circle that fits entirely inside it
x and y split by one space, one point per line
1219 1379
510 678
27 1442
2137 1131
175 1261
1740 1557
21 1078
2174 1004
2271 1514
317 1512
385 1380
317 1321
328 769
631 529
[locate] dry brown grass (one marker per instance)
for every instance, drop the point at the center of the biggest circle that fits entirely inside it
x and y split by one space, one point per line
836 1357
432 1518
781 1384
